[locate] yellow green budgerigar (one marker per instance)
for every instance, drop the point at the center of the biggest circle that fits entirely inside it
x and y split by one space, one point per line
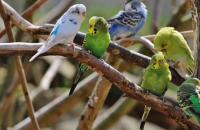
188 97
155 80
96 41
175 49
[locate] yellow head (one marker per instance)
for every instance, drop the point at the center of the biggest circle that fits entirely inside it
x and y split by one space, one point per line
97 25
158 61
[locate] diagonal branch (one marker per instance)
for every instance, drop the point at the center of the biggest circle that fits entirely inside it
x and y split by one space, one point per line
53 110
27 13
20 69
114 49
131 89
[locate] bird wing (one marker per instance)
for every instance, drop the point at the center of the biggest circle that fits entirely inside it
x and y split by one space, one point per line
127 18
184 45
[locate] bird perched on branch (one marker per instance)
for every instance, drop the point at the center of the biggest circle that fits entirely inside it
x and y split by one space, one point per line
176 50
188 97
128 21
65 29
96 41
155 80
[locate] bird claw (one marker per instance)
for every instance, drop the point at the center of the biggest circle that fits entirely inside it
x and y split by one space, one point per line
72 46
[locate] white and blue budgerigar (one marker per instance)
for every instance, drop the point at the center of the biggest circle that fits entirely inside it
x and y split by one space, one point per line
128 21
65 29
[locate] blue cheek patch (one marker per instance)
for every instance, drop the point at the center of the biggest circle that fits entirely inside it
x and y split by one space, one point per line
55 30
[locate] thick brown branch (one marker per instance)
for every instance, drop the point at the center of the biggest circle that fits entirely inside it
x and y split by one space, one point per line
113 49
131 89
116 50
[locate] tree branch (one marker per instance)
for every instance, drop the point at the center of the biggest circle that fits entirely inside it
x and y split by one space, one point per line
131 89
110 117
114 49
94 106
27 13
196 25
20 69
52 111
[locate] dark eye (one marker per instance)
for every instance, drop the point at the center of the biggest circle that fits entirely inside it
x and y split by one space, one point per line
95 30
78 12
90 26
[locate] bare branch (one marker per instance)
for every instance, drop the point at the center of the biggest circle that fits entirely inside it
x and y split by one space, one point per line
196 25
52 111
27 13
131 89
123 106
20 69
97 98
100 92
55 12
114 49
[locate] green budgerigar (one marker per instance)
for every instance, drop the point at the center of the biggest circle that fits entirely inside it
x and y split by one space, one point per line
96 42
188 97
155 80
176 50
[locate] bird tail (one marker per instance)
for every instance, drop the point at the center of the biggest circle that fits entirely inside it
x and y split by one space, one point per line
40 51
144 116
82 69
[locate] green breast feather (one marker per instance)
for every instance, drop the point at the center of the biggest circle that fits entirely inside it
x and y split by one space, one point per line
188 97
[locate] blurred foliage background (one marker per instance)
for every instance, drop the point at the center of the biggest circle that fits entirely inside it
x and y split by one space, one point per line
160 14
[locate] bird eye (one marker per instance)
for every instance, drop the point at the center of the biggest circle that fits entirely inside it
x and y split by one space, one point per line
90 26
95 30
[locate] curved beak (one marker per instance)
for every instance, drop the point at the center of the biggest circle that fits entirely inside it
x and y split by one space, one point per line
91 31
156 65
83 14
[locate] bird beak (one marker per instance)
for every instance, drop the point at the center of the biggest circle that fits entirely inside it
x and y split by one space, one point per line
90 30
161 63
83 14
156 66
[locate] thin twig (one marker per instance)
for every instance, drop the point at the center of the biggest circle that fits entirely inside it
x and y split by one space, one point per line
27 13
52 111
196 25
176 18
47 78
113 49
111 116
19 68
53 14
130 89
98 97
155 16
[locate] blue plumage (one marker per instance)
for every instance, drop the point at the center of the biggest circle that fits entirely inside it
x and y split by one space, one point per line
55 30
129 21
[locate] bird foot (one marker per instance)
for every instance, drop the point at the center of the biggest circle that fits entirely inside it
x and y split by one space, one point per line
72 46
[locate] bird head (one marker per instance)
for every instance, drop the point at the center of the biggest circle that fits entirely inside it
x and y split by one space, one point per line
158 61
97 25
133 5
78 11
162 39
194 81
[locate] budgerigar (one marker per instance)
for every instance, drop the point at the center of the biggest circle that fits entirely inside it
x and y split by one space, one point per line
65 29
128 21
175 49
96 41
155 80
188 97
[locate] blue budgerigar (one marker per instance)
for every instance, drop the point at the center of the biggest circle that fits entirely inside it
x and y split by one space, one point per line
65 29
128 21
